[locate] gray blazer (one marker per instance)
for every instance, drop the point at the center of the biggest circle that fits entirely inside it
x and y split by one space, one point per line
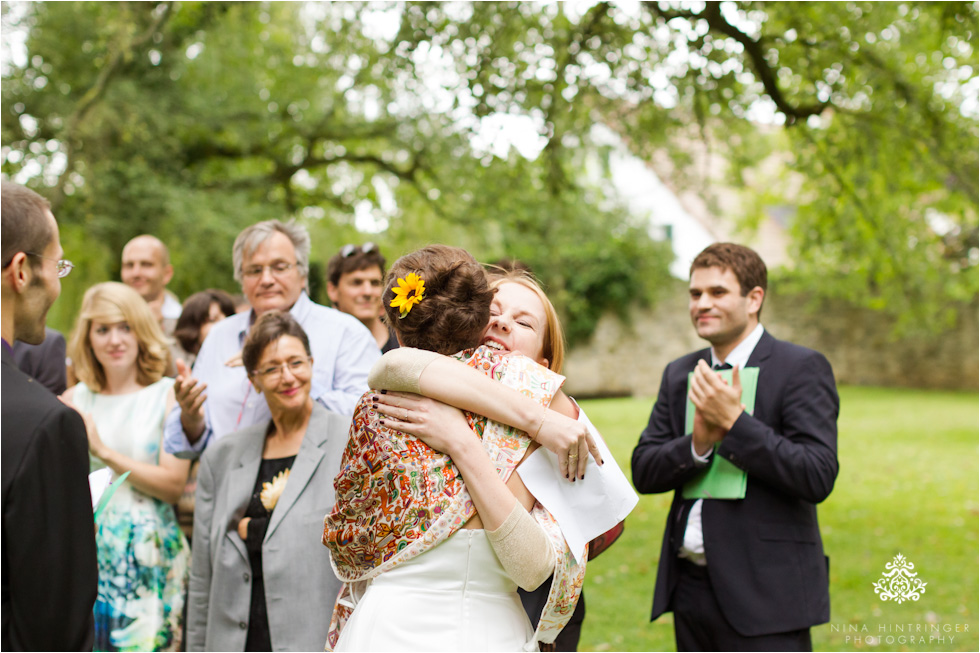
300 586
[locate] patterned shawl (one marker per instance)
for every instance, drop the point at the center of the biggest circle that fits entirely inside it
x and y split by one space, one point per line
397 497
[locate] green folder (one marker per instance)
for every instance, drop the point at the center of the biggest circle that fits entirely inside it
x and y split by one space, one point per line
721 479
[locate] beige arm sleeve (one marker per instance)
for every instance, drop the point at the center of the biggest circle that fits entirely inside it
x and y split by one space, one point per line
400 369
523 548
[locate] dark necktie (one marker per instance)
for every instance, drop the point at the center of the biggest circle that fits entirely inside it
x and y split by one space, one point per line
722 366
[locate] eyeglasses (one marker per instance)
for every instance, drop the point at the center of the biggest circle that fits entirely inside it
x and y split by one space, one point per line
350 249
277 269
273 373
64 266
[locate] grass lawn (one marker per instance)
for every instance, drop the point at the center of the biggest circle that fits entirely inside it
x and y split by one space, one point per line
907 484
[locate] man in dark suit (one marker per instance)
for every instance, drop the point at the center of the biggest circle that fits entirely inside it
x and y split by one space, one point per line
748 573
50 577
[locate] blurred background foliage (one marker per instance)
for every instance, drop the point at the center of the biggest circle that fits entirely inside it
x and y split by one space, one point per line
369 121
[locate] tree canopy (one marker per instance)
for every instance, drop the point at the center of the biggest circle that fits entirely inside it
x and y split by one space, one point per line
374 121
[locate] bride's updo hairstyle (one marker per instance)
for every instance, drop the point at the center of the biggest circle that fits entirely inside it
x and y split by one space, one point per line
455 308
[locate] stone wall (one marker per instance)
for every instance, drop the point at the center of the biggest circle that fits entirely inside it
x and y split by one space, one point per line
629 359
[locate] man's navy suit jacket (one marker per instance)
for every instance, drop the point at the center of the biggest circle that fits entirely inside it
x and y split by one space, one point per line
765 556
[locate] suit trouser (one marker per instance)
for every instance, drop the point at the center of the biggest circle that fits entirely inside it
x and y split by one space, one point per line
700 625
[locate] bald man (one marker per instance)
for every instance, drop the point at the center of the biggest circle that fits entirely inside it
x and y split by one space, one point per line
146 268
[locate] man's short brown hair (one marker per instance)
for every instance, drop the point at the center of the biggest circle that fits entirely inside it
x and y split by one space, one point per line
747 266
456 307
353 258
25 228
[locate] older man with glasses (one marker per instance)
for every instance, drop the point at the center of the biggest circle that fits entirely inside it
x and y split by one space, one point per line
355 279
272 264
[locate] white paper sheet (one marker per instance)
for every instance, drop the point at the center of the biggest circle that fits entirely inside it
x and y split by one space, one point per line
98 481
588 507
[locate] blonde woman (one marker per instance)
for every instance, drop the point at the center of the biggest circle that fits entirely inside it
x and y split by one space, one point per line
120 354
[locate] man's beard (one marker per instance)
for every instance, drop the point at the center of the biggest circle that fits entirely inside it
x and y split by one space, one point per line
32 327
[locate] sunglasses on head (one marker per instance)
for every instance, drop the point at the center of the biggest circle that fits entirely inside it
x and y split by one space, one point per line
350 249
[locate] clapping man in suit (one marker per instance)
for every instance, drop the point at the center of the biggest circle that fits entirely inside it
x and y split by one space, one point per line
744 573
50 577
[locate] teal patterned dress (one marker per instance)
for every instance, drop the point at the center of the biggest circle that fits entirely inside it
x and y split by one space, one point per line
144 558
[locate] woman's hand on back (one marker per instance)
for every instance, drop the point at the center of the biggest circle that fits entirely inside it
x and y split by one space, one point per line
439 425
444 427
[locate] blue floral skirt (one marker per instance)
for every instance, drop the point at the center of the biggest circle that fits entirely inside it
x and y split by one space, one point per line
144 561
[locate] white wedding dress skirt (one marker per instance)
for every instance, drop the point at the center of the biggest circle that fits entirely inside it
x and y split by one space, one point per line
455 597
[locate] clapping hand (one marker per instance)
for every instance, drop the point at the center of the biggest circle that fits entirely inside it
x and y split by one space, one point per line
718 405
190 396
705 436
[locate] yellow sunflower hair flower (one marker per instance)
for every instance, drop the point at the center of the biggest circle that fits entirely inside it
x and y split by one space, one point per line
410 291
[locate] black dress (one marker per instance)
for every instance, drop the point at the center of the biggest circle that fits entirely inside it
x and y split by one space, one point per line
258 638
391 344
